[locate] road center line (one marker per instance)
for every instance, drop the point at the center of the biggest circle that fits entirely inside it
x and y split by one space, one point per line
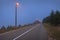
24 33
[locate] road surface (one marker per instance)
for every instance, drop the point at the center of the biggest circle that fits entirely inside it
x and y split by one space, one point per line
35 32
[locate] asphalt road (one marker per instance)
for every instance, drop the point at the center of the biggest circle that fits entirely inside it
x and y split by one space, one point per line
35 32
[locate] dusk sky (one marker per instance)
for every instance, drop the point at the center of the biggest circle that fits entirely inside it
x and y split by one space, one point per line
28 11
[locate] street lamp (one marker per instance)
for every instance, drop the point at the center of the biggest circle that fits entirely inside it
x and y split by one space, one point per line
16 6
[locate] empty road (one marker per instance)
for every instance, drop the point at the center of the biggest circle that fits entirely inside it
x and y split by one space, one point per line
35 32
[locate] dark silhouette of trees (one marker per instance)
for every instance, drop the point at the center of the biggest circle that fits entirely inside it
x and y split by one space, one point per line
53 18
19 25
57 17
3 29
9 28
46 20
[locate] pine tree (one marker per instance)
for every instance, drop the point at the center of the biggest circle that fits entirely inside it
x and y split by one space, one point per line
52 18
57 18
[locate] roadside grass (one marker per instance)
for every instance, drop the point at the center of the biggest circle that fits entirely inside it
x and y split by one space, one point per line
11 28
53 31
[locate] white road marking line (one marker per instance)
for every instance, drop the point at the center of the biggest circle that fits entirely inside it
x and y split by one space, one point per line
24 33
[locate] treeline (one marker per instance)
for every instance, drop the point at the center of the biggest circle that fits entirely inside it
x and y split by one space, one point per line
9 28
53 18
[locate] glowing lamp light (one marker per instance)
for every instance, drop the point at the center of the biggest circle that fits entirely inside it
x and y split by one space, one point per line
17 4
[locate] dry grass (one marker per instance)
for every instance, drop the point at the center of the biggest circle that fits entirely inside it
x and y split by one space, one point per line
53 31
14 28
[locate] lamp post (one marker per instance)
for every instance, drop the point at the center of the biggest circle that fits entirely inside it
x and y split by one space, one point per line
16 6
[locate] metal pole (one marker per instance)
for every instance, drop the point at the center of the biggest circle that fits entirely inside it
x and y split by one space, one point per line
16 6
15 16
